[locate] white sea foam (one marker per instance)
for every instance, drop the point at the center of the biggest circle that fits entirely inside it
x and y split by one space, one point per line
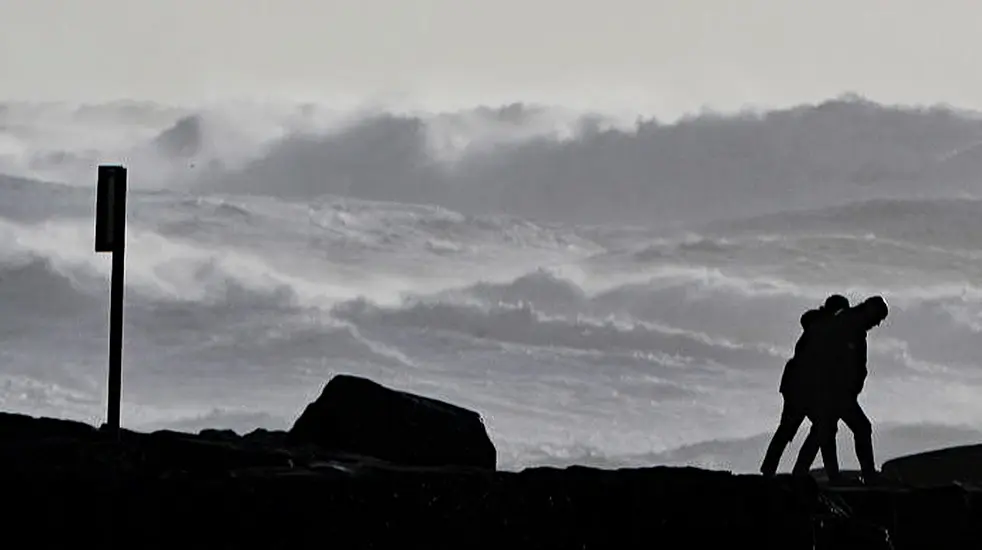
502 259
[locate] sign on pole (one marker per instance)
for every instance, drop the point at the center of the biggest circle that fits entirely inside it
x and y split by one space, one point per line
110 236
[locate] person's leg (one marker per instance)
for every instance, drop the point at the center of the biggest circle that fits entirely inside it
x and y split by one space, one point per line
791 419
830 454
807 452
862 430
821 434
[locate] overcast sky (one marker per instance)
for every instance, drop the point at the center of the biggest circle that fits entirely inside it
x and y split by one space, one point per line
654 54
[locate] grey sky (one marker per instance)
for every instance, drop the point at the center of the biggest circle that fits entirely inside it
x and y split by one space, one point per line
652 54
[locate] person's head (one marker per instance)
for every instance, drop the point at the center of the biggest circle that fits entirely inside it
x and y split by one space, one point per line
875 310
809 317
835 303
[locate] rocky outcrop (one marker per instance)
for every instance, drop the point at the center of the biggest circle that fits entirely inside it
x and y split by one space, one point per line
67 483
948 517
962 465
71 483
358 416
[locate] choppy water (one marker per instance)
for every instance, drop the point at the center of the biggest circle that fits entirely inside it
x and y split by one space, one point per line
612 343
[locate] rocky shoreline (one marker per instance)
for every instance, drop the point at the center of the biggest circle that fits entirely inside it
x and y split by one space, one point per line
71 483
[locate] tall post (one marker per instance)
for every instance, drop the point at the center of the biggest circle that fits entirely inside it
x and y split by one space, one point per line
111 237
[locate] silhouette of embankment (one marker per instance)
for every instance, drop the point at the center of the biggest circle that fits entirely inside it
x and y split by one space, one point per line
369 467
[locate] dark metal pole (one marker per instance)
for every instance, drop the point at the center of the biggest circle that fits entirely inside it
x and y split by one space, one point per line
116 300
110 236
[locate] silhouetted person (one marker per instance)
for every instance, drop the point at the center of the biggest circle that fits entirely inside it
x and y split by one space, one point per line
838 373
796 391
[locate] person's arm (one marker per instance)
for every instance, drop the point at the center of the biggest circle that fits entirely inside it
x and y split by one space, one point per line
854 327
861 368
788 367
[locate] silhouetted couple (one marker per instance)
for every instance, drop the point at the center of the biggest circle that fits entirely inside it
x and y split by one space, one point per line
822 382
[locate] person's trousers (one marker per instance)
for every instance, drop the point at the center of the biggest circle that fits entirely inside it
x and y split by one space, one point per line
792 415
824 427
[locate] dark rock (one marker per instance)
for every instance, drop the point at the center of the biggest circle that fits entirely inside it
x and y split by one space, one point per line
258 437
218 489
359 416
166 488
219 435
847 534
270 438
938 467
17 426
940 517
175 452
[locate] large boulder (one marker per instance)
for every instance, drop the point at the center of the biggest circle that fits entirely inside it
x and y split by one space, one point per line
358 416
938 467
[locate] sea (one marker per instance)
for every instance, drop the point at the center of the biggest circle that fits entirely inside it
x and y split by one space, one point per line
605 290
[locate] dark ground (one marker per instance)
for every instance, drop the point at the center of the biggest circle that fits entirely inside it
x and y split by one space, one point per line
67 483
